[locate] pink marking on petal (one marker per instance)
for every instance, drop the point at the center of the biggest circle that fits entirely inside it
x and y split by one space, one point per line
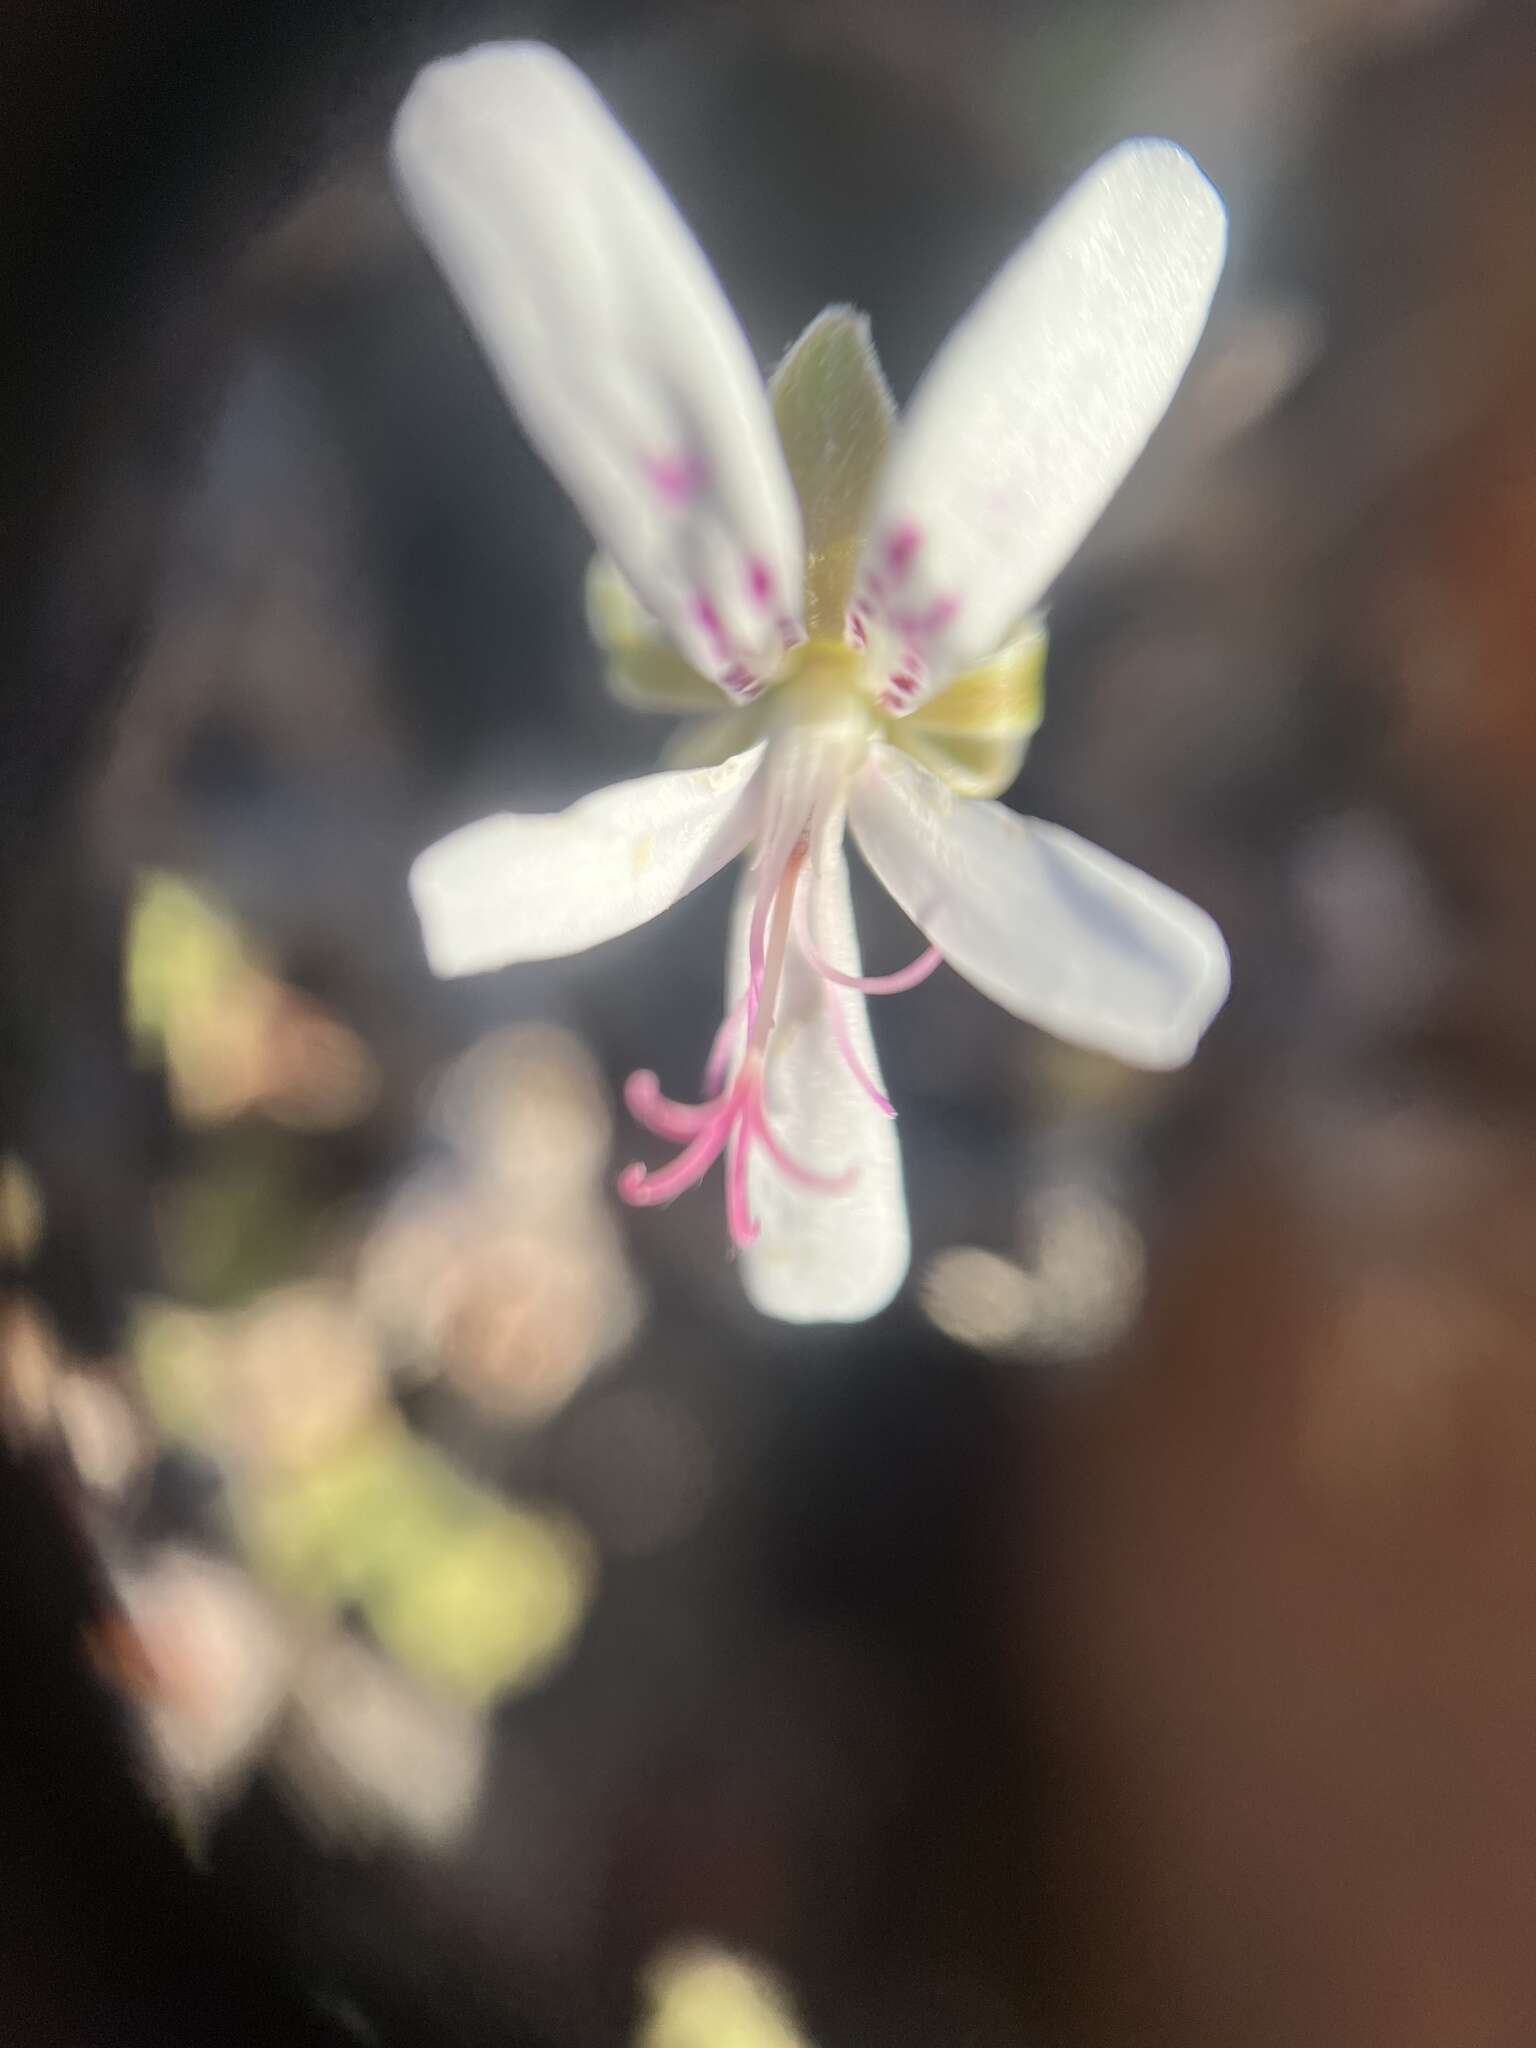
923 625
791 631
901 544
858 632
678 478
760 582
705 615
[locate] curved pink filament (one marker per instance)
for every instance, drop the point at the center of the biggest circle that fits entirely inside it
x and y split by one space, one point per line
739 1220
874 984
644 1190
851 1060
659 1113
720 1051
808 1177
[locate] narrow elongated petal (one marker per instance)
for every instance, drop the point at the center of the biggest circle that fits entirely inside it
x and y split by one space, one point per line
1055 930
1033 410
614 342
515 887
822 1257
834 412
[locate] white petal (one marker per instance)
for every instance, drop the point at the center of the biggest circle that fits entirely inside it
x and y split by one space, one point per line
614 342
1034 409
1057 931
820 1257
515 887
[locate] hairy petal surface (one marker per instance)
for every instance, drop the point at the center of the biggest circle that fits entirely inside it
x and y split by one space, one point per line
517 887
1057 931
614 342
834 412
822 1257
1032 411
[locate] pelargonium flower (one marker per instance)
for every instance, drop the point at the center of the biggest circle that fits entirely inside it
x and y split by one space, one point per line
847 608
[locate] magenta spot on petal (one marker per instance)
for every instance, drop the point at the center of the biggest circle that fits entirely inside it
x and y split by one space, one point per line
857 631
791 632
704 612
760 582
677 478
918 626
901 544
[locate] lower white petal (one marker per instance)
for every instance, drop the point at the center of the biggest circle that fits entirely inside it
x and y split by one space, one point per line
822 1257
1055 930
515 887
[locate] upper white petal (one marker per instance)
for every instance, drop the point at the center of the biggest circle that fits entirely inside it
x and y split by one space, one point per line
1057 931
822 1258
1036 406
515 887
613 339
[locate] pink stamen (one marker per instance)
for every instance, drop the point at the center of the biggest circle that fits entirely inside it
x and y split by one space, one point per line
735 1118
644 1189
923 625
874 984
739 1220
851 1060
659 1113
719 1053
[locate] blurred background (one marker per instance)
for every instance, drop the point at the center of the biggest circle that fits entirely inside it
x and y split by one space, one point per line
436 1609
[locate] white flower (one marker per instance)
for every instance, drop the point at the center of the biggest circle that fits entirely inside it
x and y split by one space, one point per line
857 618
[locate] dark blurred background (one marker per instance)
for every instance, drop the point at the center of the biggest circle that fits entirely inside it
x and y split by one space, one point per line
434 1609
